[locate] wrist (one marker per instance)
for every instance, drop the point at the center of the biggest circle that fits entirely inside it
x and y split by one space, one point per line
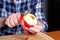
2 22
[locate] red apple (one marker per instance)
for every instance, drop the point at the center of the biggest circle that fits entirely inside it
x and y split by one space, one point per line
29 20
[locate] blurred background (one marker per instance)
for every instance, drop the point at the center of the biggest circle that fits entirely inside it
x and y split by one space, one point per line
52 12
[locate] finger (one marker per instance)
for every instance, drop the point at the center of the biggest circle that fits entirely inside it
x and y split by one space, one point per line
31 31
7 23
18 15
38 27
11 22
15 20
34 29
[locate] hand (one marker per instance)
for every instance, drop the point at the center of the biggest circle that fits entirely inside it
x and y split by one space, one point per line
12 20
37 28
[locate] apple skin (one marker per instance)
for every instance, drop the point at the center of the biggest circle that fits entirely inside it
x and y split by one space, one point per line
28 25
21 19
23 22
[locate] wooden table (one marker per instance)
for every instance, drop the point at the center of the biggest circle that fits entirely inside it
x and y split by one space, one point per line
54 34
39 36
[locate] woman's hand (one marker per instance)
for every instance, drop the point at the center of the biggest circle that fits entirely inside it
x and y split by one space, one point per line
12 20
37 28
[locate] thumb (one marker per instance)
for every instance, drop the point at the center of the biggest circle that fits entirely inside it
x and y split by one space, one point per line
18 15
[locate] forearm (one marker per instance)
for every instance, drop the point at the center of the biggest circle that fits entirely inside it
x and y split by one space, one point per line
2 20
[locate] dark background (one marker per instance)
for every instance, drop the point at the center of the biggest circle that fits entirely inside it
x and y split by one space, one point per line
52 11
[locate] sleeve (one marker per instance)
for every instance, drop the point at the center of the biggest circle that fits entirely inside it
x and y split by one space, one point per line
40 15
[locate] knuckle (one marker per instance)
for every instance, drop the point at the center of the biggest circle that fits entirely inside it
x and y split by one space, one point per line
9 25
12 24
16 21
13 14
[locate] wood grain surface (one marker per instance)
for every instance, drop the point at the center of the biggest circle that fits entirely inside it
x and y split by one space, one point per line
37 36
